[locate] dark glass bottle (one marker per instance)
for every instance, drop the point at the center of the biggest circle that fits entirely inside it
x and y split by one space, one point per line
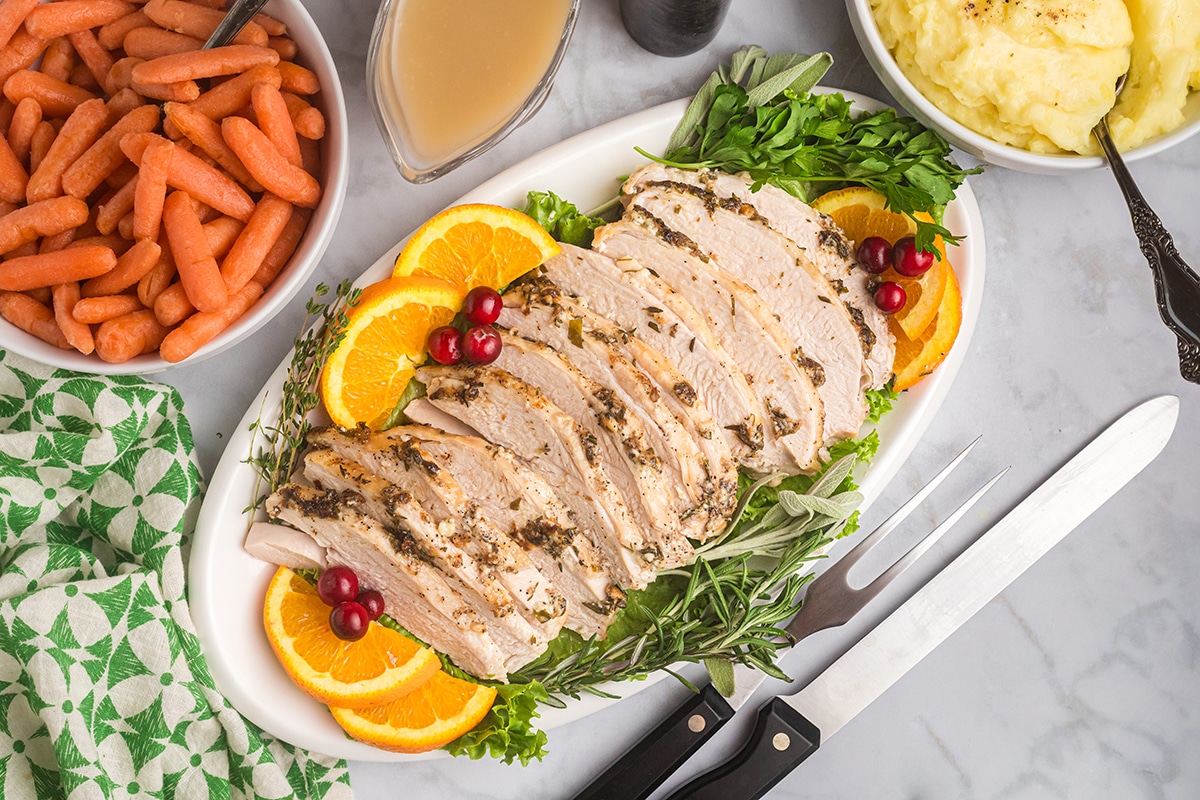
673 27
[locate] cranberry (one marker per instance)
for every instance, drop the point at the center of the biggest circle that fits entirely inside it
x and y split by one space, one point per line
875 254
337 585
372 601
481 344
446 345
349 621
890 297
483 305
908 260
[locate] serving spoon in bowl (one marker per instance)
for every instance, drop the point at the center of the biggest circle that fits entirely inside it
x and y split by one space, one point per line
1176 285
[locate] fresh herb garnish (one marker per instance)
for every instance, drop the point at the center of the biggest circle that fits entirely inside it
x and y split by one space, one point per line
561 219
284 439
809 144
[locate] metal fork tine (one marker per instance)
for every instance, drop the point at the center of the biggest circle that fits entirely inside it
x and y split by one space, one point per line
888 525
917 550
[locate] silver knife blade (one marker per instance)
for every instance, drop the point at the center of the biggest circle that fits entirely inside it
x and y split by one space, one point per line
1154 418
987 567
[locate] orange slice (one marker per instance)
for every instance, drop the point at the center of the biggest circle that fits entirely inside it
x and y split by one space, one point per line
378 668
436 714
916 358
476 245
861 212
385 341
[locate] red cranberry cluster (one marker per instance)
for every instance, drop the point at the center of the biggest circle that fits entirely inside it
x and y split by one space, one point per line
480 344
353 610
876 255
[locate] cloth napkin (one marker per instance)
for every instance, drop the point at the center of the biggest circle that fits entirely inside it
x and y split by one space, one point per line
104 692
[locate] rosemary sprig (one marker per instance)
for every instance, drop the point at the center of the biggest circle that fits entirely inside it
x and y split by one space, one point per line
723 606
283 440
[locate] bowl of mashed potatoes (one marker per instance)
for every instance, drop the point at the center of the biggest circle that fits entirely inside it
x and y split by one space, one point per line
1021 83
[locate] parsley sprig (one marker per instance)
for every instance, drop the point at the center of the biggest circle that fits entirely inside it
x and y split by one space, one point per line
809 144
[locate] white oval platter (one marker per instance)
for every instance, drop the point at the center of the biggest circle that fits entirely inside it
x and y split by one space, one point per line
226 585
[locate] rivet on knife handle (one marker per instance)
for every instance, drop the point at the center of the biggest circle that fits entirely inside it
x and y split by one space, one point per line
653 759
782 738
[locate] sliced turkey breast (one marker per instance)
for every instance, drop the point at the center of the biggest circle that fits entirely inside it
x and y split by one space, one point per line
783 380
814 233
511 413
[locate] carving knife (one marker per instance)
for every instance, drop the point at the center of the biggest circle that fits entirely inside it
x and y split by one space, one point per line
790 728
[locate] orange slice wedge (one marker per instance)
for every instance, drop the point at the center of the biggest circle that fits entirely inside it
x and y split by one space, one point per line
476 245
916 358
379 668
436 714
861 212
385 341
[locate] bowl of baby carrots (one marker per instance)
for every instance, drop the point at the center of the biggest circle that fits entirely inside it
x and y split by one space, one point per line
159 202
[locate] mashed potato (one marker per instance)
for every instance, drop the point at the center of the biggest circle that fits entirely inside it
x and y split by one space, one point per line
1039 74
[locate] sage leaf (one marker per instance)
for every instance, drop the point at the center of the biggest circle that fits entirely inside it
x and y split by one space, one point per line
799 78
720 672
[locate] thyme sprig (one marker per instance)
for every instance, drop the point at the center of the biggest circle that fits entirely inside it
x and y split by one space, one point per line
725 606
283 440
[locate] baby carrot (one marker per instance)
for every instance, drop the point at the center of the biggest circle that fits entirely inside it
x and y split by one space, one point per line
129 336
157 279
275 121
286 48
112 36
225 98
82 78
198 270
172 307
94 56
285 246
200 329
68 16
251 248
59 59
272 26
57 241
232 59
206 135
27 249
121 103
47 269
44 218
297 79
43 295
94 310
32 317
198 22
125 226
151 43
57 99
115 243
20 129
151 190
14 180
308 121
104 156
122 78
12 14
221 233
43 137
120 176
81 129
267 165
22 50
203 182
130 268
66 296
109 214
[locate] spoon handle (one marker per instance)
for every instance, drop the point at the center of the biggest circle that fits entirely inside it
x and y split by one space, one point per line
242 12
1176 286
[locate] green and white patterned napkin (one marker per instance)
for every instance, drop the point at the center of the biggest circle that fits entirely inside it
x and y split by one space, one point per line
104 692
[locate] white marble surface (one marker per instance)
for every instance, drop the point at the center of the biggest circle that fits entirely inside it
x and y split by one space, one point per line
1081 680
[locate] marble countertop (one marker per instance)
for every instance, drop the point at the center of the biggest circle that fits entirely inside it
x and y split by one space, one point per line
1080 680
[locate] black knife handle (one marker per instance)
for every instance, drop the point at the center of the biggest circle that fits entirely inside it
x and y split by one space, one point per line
782 739
655 758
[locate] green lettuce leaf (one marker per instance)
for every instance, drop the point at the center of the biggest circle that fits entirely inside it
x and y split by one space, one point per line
507 732
561 219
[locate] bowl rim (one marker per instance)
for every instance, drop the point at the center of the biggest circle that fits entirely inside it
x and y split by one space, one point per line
884 64
335 166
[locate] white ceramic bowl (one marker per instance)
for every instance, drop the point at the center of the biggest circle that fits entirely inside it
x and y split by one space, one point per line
975 143
314 54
